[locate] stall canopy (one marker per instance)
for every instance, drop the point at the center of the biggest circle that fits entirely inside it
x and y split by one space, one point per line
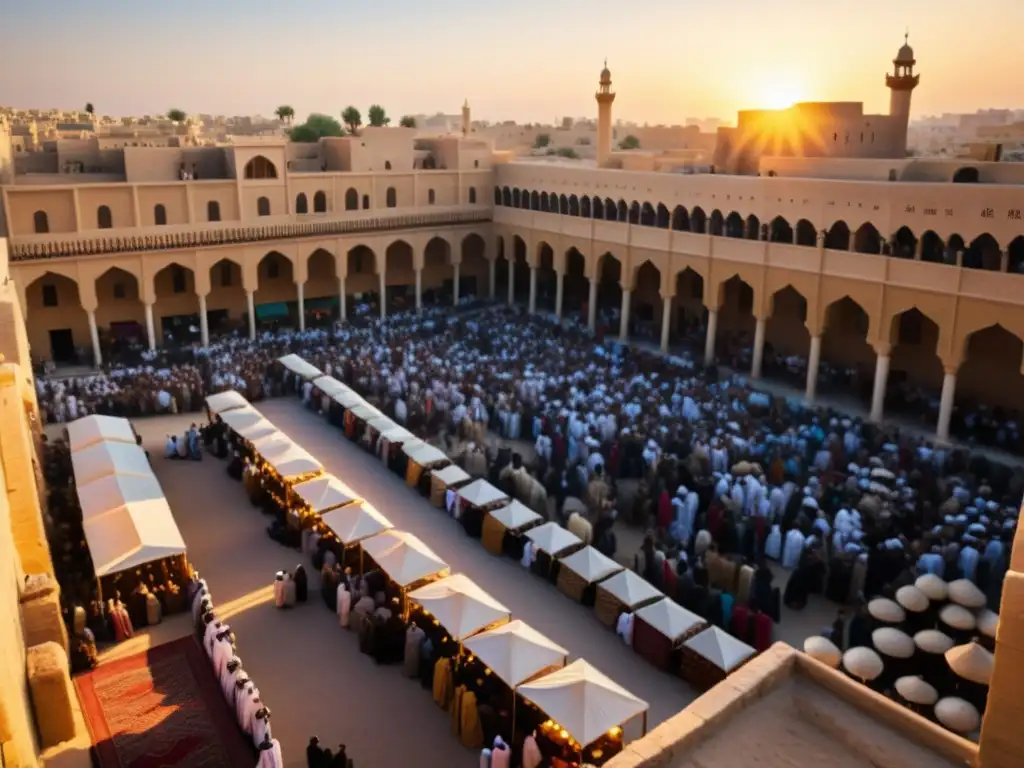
113 491
480 493
669 618
720 648
353 523
300 367
286 457
630 589
552 538
583 701
103 459
423 454
225 401
324 493
330 386
590 565
515 652
515 515
403 557
460 606
366 412
248 423
399 434
129 536
90 430
348 399
451 474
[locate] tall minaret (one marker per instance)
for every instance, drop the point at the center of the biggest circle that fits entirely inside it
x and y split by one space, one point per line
604 97
465 118
901 84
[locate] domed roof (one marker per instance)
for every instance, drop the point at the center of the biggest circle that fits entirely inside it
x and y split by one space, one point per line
606 74
906 55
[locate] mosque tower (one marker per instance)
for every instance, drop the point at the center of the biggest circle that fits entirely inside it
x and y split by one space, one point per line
901 84
465 118
605 96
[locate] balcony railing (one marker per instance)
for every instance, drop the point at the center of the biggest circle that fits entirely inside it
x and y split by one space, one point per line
208 234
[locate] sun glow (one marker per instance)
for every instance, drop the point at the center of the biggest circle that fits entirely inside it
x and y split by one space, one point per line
779 94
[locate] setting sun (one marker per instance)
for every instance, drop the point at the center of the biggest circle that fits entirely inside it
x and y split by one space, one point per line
779 94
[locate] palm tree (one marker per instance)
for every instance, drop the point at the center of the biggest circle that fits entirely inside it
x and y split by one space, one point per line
351 117
285 114
176 115
407 121
377 116
90 108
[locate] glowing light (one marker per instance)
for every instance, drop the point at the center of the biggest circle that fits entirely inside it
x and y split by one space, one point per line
779 94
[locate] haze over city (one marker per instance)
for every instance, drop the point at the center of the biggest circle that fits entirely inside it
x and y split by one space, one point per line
528 61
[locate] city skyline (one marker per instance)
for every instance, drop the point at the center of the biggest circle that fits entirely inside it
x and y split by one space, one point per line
248 58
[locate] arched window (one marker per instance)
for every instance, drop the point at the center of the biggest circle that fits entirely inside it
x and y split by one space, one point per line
301 204
392 198
320 202
351 199
159 215
41 221
263 206
430 197
260 168
104 219
213 211
178 281
366 202
472 195
387 165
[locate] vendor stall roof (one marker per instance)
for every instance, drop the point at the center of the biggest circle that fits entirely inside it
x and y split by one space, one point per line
480 493
348 399
515 515
353 523
366 412
403 557
424 454
127 537
399 434
330 386
720 648
383 424
583 701
249 423
103 459
515 652
90 430
669 618
460 606
630 589
552 538
590 564
287 458
451 474
113 491
324 493
300 367
225 401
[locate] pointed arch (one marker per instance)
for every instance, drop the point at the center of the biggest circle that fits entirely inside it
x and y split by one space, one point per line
867 239
516 198
352 199
260 168
622 211
563 205
506 197
53 303
647 215
915 345
698 221
663 218
497 196
806 234
634 212
1015 255
991 372
932 248
904 243
597 205
320 202
544 204
574 205
837 238
40 222
983 253
786 329
174 278
680 219
844 342
301 204
716 224
534 201
585 207
780 231
734 225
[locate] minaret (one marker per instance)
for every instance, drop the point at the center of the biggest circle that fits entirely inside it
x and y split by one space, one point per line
901 84
604 97
465 118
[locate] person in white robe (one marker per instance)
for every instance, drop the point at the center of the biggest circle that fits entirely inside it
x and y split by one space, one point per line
773 543
210 633
247 701
794 547
222 651
261 726
229 677
270 754
279 589
344 605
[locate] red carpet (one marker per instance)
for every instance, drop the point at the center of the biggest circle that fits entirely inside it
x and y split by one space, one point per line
162 709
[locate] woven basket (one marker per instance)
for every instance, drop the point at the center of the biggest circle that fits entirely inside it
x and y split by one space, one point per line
571 584
42 621
698 671
50 683
493 535
607 608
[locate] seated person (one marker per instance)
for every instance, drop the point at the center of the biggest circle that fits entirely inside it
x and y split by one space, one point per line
171 451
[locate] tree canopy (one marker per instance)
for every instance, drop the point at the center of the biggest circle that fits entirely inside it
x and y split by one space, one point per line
352 118
285 113
176 115
377 116
316 127
407 121
541 141
89 107
630 142
568 152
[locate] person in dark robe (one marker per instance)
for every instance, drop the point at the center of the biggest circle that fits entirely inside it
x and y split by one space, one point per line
314 754
762 595
838 632
340 759
329 587
301 584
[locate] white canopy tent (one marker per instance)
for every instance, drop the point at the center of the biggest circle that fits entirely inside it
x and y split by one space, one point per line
590 565
630 589
324 493
103 459
515 652
552 538
366 412
669 618
225 401
451 474
460 606
113 491
423 454
300 367
403 557
720 648
348 399
384 426
128 536
90 430
330 386
515 515
249 423
287 458
353 523
480 493
583 701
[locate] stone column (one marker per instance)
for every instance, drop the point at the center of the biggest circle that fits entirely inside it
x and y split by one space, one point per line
492 271
946 405
150 327
559 288
758 355
204 325
878 393
383 295
342 308
455 285
94 335
709 339
666 323
511 281
813 361
419 289
250 297
627 304
300 291
592 305
533 290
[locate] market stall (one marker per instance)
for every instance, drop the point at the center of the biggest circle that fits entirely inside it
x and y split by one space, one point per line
90 430
287 459
460 606
587 711
505 528
709 656
473 501
113 491
325 389
356 418
340 404
346 527
404 559
659 631
312 499
581 571
248 423
547 543
224 401
623 592
450 478
420 458
299 368
108 458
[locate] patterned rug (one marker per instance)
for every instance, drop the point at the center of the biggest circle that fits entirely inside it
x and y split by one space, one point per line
161 709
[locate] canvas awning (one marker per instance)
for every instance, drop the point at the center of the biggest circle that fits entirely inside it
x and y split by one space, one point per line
425 454
630 589
225 401
583 701
287 458
248 423
348 399
720 648
126 537
403 557
669 618
103 459
515 516
365 412
552 538
515 652
353 523
90 430
383 424
113 491
400 435
590 565
460 605
330 386
480 493
300 367
324 493
451 474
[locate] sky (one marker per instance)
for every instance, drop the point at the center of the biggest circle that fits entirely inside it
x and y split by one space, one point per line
528 61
